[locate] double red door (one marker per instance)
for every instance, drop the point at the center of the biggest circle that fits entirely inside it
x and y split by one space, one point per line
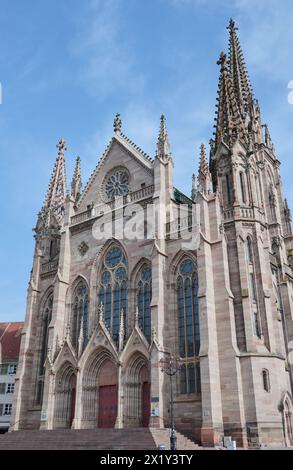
146 409
107 406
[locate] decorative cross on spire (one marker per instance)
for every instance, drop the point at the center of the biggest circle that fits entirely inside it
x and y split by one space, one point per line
232 26
117 124
61 146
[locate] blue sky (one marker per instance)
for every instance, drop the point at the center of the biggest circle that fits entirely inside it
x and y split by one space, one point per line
66 67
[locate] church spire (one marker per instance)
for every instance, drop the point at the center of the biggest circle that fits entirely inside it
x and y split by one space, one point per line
53 207
203 171
229 123
163 146
238 72
76 183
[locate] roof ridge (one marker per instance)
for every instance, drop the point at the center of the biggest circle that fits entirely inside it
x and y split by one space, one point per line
136 147
94 172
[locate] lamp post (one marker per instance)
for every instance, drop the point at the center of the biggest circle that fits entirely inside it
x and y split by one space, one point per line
170 365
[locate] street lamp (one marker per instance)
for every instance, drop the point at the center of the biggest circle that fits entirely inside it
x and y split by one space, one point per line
170 365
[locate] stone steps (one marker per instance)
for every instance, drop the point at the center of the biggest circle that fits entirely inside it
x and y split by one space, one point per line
93 439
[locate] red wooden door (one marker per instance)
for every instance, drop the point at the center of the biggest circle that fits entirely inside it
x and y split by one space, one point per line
107 406
146 408
72 406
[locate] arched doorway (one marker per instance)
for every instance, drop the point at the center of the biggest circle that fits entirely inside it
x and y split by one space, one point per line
136 411
65 391
100 391
107 395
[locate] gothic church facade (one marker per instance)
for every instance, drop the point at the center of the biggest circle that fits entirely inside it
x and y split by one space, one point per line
102 312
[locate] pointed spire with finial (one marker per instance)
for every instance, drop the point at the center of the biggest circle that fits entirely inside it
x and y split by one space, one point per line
68 332
121 331
136 317
203 171
53 207
81 338
163 146
193 190
117 124
101 312
267 137
229 123
76 184
238 72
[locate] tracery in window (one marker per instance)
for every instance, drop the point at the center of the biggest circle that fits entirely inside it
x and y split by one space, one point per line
112 288
144 295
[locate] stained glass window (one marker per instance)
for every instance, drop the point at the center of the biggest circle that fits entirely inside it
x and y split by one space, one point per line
144 295
117 183
188 324
112 289
80 315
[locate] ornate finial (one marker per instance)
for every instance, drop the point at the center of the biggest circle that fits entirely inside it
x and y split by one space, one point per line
61 146
223 61
101 312
232 26
80 339
68 331
203 171
76 183
117 124
57 347
49 354
203 164
193 190
163 146
121 331
136 317
268 140
154 334
163 131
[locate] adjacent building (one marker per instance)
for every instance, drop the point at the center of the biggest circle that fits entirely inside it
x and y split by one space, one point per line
10 337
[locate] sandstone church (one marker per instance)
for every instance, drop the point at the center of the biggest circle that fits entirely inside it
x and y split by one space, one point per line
102 312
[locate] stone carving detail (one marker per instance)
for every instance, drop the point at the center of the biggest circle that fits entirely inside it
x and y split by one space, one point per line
83 248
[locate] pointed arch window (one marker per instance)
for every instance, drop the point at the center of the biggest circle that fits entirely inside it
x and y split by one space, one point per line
144 295
266 380
229 189
112 288
44 336
252 287
243 189
80 311
188 325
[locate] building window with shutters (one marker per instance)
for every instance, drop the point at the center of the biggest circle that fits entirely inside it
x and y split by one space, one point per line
3 369
7 409
10 388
